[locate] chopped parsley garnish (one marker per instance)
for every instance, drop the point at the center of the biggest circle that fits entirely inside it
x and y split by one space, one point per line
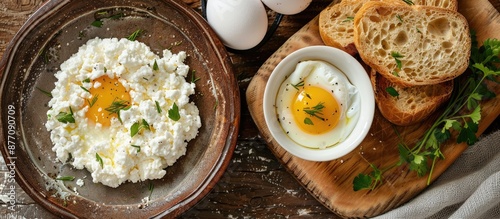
397 57
155 66
138 147
117 105
92 102
138 126
66 178
151 187
308 121
348 19
409 2
392 91
134 35
315 111
85 89
298 85
45 92
97 23
99 159
399 18
65 117
194 79
173 113
158 108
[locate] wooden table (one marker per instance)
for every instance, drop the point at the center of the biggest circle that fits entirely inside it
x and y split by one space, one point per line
255 184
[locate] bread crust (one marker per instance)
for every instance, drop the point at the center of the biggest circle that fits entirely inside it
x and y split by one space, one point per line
433 43
413 105
336 27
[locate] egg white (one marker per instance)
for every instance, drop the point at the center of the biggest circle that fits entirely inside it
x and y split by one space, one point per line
330 78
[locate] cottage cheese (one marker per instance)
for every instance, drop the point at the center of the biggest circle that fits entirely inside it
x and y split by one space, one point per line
109 152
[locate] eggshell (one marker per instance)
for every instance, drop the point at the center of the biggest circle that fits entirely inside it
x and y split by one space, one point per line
287 7
240 24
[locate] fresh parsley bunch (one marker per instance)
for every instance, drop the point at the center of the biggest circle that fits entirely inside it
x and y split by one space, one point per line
461 115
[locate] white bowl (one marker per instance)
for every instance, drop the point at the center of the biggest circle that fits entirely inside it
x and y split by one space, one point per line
357 76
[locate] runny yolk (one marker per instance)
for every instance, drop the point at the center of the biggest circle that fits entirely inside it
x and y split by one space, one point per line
315 110
106 100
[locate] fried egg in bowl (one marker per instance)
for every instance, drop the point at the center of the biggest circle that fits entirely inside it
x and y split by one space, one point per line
319 103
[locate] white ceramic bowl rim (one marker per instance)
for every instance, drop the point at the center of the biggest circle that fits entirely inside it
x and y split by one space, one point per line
357 76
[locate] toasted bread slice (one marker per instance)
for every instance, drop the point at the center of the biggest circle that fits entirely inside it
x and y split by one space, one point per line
336 21
412 45
412 104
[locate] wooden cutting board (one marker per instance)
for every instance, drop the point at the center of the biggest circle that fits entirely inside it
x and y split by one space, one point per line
331 182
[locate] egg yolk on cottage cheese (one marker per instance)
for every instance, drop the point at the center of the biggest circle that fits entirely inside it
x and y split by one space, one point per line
111 107
110 96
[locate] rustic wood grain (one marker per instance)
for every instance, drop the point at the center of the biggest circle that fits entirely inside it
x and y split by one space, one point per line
331 182
256 184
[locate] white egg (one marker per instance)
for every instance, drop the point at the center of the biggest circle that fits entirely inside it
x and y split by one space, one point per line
240 24
287 7
317 106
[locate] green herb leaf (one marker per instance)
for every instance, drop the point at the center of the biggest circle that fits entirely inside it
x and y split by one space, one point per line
155 66
173 113
85 89
151 187
66 178
134 129
194 79
308 121
158 108
399 18
348 19
99 159
138 126
87 80
117 16
65 117
45 92
138 148
298 85
117 105
97 23
134 35
93 101
316 110
397 58
393 92
362 181
409 2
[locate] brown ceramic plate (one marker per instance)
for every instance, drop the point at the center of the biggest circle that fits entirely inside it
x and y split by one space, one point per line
50 37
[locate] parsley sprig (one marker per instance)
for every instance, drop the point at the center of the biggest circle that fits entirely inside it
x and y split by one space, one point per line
138 126
462 115
66 117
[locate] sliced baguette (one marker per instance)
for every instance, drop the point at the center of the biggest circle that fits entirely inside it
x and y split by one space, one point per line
336 21
413 104
432 44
